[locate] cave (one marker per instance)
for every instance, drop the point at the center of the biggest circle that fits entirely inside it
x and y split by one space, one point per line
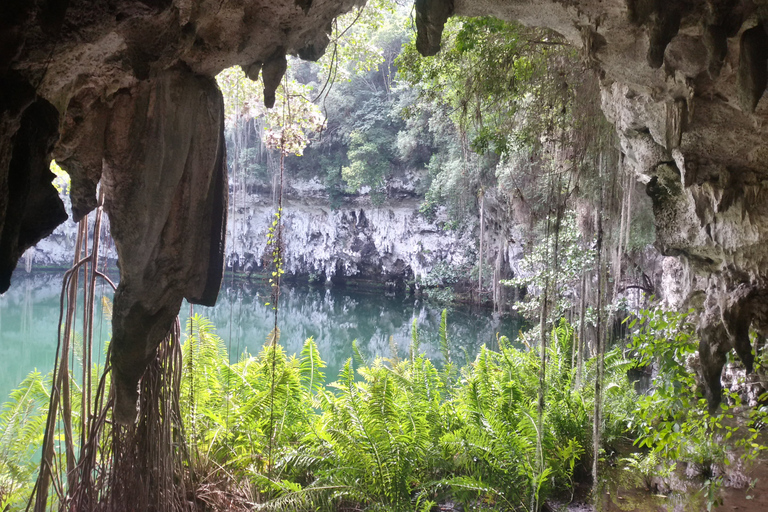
121 93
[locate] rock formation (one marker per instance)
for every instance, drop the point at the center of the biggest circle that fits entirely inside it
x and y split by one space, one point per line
177 179
682 82
357 242
125 91
122 92
387 244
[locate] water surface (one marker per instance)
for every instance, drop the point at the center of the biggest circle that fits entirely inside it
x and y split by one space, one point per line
29 314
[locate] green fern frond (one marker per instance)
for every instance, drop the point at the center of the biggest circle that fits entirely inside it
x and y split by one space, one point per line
22 426
360 360
310 367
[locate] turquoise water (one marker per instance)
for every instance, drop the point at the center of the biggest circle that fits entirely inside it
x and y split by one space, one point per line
29 314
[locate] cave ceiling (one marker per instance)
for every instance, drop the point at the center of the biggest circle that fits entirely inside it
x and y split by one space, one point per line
122 93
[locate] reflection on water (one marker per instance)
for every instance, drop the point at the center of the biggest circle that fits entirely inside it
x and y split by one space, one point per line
29 314
738 488
335 317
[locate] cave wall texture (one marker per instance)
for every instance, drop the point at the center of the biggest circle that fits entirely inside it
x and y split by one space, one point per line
122 92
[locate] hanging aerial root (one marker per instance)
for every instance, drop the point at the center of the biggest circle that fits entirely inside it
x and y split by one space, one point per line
147 459
140 467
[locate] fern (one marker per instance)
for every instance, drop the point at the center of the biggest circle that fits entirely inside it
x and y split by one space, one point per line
311 366
415 341
22 425
202 388
360 360
388 434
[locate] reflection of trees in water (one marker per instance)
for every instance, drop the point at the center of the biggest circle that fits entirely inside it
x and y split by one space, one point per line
29 314
335 317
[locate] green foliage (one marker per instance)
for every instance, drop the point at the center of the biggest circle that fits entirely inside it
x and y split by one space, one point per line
378 429
369 162
672 419
443 274
666 423
274 242
232 411
495 89
536 267
439 282
405 434
310 367
286 126
356 46
352 85
391 434
204 356
441 295
22 422
647 466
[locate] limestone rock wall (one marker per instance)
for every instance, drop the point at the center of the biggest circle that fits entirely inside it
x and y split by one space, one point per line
390 243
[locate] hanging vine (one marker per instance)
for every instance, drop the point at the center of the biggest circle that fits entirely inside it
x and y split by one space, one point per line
61 400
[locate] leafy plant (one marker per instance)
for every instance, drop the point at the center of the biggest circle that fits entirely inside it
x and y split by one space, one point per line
648 466
672 418
389 434
22 422
369 162
666 422
535 268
